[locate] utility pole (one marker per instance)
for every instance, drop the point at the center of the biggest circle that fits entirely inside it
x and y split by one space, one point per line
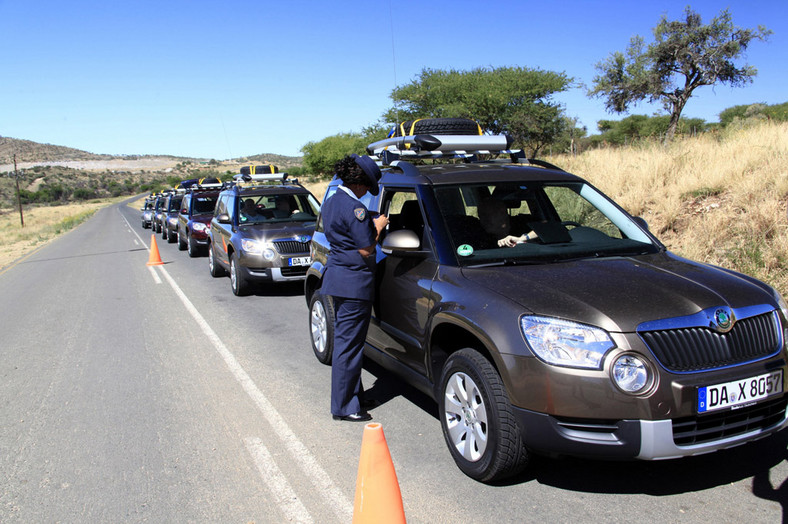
18 196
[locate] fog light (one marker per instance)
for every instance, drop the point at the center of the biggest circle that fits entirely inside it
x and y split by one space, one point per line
268 254
630 374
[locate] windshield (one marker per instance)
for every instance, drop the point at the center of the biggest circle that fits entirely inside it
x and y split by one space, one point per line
286 207
512 222
204 205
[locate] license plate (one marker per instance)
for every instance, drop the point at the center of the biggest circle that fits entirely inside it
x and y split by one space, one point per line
739 392
299 261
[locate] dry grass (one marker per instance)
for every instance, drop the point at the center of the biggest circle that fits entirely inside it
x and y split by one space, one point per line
717 198
42 224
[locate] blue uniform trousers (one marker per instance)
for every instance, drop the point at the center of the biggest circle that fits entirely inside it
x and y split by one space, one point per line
350 330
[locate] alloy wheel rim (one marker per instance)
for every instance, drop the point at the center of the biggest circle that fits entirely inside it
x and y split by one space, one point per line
466 417
318 325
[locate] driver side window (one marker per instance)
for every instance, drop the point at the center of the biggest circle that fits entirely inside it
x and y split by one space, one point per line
404 212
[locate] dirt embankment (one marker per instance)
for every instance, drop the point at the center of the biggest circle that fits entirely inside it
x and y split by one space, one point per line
136 165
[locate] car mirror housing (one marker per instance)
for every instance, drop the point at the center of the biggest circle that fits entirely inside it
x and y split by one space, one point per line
403 242
224 218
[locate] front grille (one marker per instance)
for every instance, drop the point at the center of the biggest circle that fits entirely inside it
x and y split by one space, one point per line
708 428
699 348
295 271
291 247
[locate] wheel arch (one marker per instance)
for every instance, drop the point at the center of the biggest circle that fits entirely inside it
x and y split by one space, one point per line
451 333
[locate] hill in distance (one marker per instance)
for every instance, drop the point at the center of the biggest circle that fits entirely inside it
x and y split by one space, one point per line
29 154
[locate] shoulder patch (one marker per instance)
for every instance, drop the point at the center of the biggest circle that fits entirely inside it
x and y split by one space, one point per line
360 213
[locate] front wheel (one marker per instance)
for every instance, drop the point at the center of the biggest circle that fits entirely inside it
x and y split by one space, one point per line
237 281
477 419
181 243
213 266
321 326
172 236
192 249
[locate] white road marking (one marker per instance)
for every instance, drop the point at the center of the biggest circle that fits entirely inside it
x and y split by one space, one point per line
324 486
284 495
155 276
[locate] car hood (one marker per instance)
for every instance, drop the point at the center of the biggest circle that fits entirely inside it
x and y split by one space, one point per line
280 230
619 293
205 219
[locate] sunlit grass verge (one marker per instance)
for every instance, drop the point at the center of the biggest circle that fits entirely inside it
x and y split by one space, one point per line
716 198
42 224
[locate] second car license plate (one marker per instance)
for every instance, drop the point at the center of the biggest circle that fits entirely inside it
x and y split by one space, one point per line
299 261
739 392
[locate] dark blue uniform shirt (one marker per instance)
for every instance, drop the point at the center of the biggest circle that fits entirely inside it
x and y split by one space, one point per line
348 228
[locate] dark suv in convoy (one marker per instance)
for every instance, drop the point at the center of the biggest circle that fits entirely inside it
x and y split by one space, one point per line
159 211
194 219
542 317
169 220
261 229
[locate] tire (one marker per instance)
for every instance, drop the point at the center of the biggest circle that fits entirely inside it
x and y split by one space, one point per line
192 249
181 243
321 326
213 266
164 232
477 419
158 228
237 281
172 236
439 126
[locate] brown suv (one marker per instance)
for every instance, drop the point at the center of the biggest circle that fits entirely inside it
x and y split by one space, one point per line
261 229
542 317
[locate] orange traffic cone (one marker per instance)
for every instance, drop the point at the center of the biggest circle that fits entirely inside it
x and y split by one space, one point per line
155 258
378 498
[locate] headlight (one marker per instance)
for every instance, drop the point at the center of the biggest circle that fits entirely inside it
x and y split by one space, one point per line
565 343
252 247
631 374
172 221
199 226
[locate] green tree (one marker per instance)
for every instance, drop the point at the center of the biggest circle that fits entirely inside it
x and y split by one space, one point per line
320 156
684 56
513 100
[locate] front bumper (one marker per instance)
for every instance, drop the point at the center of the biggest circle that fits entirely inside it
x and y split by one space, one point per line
273 274
651 439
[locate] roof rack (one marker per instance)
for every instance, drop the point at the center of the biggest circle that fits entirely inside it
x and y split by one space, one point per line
465 147
394 151
245 180
442 144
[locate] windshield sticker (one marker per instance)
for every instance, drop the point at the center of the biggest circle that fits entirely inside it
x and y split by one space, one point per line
465 250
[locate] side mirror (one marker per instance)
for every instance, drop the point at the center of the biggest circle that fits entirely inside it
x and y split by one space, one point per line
184 211
403 243
224 218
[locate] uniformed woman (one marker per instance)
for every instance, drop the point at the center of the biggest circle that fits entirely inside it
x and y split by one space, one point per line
349 279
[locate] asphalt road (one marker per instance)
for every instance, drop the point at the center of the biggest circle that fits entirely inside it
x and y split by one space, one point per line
130 394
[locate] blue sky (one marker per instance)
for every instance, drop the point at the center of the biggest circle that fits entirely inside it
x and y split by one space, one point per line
230 78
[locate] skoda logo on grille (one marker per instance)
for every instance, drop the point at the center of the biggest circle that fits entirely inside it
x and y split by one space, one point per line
302 238
723 320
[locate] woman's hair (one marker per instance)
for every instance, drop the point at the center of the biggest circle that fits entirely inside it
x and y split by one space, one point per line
350 172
